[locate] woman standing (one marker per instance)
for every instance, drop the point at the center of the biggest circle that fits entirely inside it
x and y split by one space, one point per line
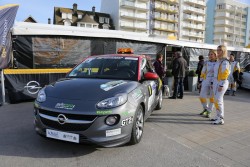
220 83
206 80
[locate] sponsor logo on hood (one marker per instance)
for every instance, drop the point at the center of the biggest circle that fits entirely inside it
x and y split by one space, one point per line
65 106
110 85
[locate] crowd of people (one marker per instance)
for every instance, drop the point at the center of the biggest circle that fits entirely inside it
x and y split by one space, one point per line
216 77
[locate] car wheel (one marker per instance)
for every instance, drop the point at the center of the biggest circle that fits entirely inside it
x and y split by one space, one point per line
137 129
159 104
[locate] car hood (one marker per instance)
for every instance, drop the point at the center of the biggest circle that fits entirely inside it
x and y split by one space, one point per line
88 89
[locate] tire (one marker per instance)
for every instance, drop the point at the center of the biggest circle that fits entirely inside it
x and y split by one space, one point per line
159 104
138 125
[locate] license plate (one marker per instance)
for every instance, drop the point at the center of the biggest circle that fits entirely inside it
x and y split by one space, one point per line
71 137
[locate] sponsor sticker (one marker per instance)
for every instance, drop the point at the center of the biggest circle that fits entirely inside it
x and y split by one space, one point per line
65 106
137 94
127 121
113 132
126 113
110 85
103 112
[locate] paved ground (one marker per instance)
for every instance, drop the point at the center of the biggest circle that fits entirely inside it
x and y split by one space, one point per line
174 136
229 144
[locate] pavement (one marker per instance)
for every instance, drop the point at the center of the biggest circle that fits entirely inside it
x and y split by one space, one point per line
176 135
228 144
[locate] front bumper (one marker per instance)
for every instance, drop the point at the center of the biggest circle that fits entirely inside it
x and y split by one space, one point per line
93 132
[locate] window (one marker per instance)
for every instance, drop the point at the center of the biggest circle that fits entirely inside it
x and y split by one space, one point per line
101 20
107 20
88 25
79 16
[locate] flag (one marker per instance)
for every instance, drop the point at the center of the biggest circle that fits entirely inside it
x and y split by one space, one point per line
7 17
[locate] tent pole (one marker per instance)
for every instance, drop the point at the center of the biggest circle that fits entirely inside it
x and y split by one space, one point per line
3 90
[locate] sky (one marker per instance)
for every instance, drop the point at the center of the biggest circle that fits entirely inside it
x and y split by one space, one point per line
41 10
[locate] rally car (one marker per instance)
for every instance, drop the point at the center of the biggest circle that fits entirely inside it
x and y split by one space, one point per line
104 100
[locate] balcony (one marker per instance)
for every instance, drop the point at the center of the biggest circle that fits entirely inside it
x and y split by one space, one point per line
169 20
165 28
194 10
134 16
133 26
192 26
223 31
223 14
224 22
200 3
193 34
194 18
173 2
170 10
132 5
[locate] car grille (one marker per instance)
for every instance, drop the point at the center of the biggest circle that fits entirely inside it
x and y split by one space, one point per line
67 126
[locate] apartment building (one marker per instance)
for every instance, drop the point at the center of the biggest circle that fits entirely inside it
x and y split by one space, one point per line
171 19
128 15
164 15
192 20
228 23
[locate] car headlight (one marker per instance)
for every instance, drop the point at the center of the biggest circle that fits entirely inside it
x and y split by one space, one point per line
41 97
112 102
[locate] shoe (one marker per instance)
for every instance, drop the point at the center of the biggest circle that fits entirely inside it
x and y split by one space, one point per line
233 93
208 114
215 118
218 122
173 97
180 97
203 112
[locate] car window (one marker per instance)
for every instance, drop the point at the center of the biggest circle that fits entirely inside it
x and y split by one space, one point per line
146 68
107 67
247 68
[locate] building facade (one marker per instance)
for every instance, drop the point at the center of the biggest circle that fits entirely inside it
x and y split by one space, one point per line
228 23
171 19
192 20
81 18
128 15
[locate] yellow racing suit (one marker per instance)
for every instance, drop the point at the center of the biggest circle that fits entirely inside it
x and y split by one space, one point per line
221 74
207 77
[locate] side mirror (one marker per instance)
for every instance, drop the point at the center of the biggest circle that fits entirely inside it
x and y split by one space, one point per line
151 76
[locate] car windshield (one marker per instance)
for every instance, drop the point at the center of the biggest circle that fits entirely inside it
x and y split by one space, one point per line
107 68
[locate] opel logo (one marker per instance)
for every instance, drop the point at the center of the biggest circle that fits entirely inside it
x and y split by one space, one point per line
62 119
33 87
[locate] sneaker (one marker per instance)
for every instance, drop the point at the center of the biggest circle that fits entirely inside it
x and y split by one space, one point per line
215 118
218 122
203 112
208 114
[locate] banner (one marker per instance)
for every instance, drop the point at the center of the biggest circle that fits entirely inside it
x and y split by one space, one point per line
24 84
7 18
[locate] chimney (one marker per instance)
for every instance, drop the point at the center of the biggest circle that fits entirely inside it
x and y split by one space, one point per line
74 7
49 20
93 10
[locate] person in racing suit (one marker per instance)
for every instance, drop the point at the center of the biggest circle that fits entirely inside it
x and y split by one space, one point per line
220 83
206 80
234 75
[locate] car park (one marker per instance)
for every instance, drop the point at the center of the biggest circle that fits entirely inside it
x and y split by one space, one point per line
104 100
246 77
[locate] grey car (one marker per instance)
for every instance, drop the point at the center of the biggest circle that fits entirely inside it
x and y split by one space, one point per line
104 100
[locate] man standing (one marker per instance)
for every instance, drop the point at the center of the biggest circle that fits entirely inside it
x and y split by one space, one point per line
178 71
158 65
199 69
234 75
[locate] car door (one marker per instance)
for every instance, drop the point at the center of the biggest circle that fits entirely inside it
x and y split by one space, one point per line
150 88
246 77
